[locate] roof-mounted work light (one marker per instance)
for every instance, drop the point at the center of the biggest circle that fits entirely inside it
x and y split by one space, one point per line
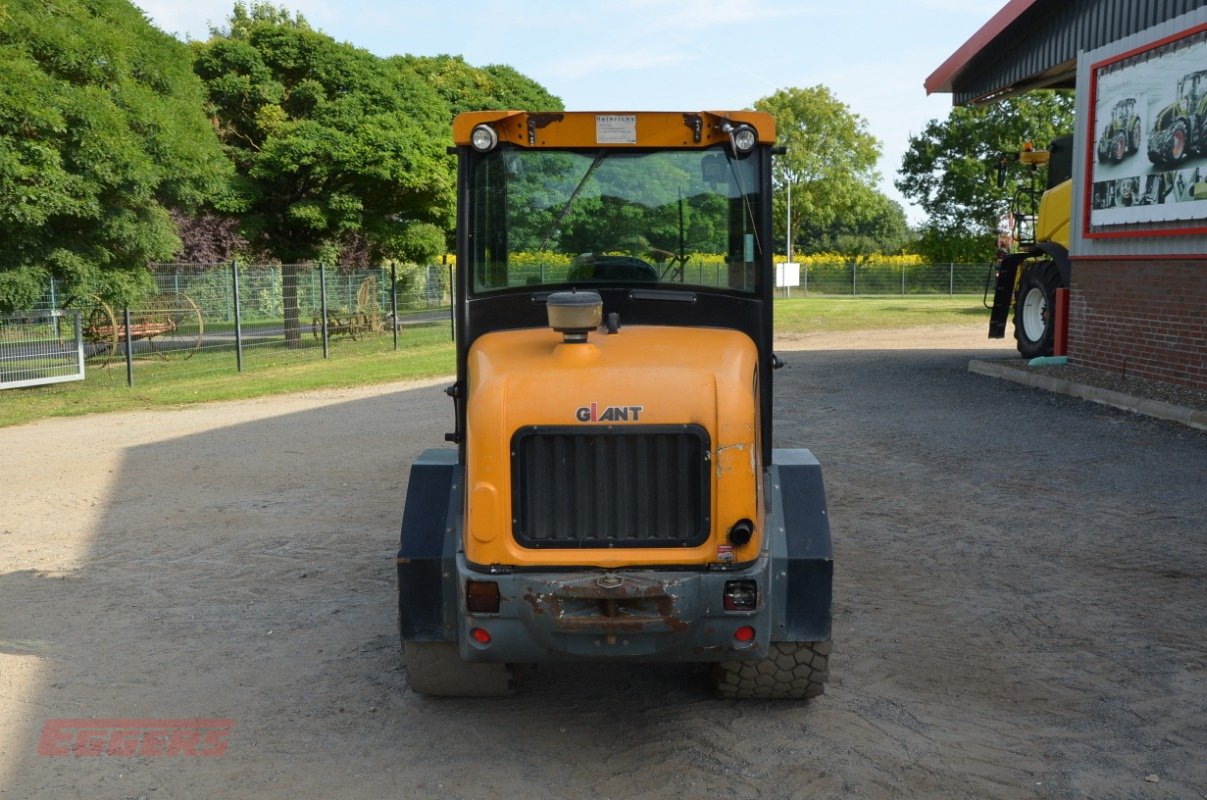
743 137
484 138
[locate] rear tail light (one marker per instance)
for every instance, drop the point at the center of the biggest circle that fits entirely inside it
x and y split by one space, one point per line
482 597
480 635
744 633
741 596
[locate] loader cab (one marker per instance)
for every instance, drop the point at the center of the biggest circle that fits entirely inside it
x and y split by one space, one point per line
614 494
666 216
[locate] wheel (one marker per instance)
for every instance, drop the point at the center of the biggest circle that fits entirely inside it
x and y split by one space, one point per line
1177 141
1033 328
175 325
1119 146
436 668
1134 143
101 330
793 671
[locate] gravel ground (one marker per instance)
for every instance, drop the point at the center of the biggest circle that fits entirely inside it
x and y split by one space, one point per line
1020 584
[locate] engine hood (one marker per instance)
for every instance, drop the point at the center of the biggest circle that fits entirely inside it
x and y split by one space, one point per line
642 376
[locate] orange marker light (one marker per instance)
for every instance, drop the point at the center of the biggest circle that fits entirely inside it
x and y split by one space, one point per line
482 597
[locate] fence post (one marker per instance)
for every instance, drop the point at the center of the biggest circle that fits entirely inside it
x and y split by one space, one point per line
805 292
129 350
854 268
323 308
238 315
951 278
394 300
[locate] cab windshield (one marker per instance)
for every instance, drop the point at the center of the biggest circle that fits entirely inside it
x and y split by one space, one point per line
665 219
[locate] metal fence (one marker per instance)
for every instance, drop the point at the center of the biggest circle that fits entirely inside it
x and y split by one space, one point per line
40 347
878 279
225 316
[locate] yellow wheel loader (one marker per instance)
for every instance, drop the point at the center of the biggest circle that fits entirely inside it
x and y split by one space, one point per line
613 493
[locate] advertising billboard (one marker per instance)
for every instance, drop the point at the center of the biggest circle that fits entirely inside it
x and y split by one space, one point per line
1148 137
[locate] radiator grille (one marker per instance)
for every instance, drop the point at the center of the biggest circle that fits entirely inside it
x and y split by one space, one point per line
610 486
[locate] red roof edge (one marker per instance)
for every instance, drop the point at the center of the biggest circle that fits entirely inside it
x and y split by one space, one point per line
941 79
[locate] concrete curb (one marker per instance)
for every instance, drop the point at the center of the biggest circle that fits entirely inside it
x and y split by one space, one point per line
1138 405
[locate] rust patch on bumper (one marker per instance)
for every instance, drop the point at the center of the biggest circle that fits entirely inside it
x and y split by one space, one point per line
589 605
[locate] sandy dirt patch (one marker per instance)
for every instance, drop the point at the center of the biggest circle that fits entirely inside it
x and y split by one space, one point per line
1019 604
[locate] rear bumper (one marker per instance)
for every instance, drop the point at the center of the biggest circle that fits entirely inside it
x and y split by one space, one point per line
631 614
657 615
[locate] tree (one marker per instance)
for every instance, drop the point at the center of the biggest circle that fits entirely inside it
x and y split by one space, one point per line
468 88
831 159
330 143
207 237
102 131
939 244
947 168
877 225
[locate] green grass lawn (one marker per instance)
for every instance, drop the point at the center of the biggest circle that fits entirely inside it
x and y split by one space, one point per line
425 351
817 314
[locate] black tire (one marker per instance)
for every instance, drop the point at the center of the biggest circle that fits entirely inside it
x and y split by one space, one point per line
1134 139
1179 142
793 671
436 669
1118 146
1033 309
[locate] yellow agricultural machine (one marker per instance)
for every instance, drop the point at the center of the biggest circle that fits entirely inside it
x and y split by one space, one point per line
613 493
1027 278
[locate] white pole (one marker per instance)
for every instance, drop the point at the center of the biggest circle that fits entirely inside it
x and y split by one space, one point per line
788 248
789 225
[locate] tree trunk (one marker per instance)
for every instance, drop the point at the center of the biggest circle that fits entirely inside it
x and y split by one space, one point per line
289 297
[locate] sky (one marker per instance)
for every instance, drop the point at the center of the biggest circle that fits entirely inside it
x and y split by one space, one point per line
656 55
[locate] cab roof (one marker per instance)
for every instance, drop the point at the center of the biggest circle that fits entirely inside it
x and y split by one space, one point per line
636 129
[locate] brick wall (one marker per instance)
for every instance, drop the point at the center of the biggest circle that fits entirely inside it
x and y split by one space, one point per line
1139 318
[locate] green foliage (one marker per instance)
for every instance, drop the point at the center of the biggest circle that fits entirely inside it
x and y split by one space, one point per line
101 131
329 141
877 226
830 163
467 88
944 244
947 169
